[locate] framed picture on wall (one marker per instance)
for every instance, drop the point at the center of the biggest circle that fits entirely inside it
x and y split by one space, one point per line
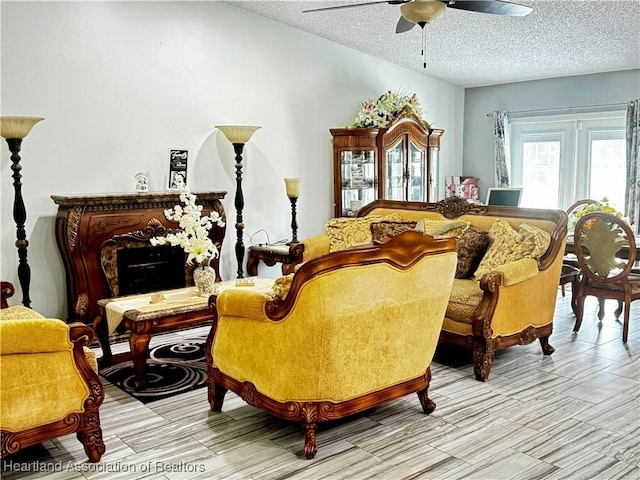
178 160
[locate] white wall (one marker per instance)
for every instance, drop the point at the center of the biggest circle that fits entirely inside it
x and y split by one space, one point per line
576 91
120 83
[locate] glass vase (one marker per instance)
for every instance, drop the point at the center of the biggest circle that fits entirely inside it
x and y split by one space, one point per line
204 278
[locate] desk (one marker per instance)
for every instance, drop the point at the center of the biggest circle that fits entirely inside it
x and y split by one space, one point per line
270 255
181 308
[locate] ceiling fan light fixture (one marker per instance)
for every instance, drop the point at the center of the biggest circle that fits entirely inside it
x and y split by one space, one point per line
422 11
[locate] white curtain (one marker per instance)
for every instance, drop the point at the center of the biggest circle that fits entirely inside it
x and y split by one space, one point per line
632 191
502 154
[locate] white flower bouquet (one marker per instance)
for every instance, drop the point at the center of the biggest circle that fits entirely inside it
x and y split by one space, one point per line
194 234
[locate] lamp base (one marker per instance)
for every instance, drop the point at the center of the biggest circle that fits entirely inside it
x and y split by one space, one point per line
294 224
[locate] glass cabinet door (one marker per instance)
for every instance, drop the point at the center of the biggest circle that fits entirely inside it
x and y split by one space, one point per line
416 173
358 180
395 172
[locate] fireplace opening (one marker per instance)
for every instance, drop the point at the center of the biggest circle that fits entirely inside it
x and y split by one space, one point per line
148 269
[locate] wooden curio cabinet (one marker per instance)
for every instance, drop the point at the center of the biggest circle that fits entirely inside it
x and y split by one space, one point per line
398 162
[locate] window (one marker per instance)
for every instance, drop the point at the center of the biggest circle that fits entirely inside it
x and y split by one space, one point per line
560 159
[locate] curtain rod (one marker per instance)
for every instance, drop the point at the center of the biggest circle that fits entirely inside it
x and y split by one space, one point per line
563 109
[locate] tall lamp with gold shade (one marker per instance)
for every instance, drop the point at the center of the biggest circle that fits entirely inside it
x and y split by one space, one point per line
238 135
14 129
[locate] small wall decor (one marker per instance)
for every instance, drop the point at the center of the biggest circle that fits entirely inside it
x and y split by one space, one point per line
178 168
142 182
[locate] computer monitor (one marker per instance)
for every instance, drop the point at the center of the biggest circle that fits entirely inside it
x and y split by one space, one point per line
504 196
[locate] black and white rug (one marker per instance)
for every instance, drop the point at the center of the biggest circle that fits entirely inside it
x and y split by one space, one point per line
172 368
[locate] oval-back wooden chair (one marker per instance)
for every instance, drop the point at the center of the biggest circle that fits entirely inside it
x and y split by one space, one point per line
605 248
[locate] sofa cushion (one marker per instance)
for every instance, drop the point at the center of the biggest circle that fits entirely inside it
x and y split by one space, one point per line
508 245
472 246
383 231
347 232
445 228
466 295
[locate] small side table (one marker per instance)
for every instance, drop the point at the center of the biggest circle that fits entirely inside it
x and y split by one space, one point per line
272 254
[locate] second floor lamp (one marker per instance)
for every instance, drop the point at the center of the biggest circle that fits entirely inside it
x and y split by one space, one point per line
238 135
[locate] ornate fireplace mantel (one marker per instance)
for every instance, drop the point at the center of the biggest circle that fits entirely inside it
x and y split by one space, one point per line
85 224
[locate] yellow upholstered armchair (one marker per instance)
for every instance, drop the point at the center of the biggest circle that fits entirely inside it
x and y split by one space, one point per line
357 328
48 381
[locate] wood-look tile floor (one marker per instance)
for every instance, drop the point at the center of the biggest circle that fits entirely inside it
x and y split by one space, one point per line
572 415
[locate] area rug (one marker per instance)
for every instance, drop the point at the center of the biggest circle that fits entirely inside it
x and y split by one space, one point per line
172 368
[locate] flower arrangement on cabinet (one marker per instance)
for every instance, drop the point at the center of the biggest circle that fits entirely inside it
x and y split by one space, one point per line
193 237
381 111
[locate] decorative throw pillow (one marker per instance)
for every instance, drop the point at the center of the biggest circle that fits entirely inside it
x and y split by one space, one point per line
533 242
382 232
509 245
472 246
281 286
347 232
445 228
503 241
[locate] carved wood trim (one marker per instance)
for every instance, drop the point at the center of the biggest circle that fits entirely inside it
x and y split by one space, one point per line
73 224
7 290
310 413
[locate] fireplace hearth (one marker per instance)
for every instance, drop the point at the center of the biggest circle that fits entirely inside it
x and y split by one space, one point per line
105 248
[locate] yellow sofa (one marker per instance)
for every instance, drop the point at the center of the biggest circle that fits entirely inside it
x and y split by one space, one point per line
355 329
512 304
49 384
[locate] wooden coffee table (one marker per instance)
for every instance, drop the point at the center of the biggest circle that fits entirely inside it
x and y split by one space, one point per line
181 308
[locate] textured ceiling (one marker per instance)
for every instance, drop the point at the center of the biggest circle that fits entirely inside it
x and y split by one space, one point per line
559 38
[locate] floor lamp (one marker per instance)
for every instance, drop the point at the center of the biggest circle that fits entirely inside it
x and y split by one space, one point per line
14 129
238 135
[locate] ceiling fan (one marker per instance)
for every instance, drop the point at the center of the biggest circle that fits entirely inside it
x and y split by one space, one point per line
421 12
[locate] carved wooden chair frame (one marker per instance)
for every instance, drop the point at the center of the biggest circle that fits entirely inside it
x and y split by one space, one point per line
621 283
86 424
309 414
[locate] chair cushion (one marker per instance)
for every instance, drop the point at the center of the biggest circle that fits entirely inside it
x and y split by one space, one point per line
465 297
19 312
347 232
508 245
381 232
472 246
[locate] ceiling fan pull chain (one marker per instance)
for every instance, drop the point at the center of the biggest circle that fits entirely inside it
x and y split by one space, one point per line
424 49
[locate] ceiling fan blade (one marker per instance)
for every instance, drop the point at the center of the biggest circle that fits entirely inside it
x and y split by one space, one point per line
404 25
350 5
495 7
